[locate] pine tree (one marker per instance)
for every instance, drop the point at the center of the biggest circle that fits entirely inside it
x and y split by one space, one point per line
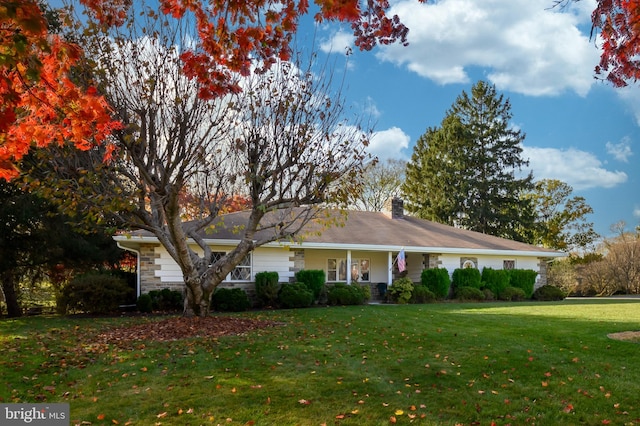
463 172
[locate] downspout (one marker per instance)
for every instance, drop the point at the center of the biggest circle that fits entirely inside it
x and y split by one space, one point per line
137 266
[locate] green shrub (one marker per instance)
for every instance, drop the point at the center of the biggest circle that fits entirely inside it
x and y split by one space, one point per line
295 295
548 293
512 294
469 293
166 300
230 300
488 294
466 277
400 291
422 294
342 294
495 280
437 281
524 279
144 303
95 293
267 287
314 279
366 291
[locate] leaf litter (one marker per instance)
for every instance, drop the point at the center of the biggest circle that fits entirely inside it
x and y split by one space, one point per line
178 328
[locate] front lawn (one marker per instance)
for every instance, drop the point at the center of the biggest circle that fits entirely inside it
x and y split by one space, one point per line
501 363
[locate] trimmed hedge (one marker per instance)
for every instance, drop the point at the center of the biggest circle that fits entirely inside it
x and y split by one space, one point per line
513 294
296 295
495 280
166 300
422 294
524 279
314 279
267 288
94 293
437 281
549 293
466 277
343 294
144 304
469 293
230 300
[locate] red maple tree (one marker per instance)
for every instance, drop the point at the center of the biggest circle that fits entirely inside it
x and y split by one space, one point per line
40 104
618 22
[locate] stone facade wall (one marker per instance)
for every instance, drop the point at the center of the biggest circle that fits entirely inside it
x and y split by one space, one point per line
543 267
432 261
297 257
148 280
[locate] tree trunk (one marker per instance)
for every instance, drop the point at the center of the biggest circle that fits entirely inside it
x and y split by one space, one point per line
197 301
10 294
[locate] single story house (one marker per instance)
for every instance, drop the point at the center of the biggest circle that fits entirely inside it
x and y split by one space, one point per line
363 249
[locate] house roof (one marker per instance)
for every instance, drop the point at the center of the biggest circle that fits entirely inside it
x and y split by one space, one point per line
376 231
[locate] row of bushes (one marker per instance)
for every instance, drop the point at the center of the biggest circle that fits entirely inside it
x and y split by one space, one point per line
105 293
308 289
470 284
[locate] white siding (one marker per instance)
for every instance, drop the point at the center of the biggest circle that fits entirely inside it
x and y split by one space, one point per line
269 259
278 259
169 271
452 262
273 259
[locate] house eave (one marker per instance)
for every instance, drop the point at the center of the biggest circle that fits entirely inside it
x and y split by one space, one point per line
123 239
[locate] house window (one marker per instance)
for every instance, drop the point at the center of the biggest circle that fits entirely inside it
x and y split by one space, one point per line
215 256
468 264
242 271
337 270
508 264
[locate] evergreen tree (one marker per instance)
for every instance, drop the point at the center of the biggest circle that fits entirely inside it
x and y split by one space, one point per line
463 172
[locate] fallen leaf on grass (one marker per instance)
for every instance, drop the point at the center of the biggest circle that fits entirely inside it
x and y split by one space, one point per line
304 402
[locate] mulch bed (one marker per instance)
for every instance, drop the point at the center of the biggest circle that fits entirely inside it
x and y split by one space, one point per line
177 328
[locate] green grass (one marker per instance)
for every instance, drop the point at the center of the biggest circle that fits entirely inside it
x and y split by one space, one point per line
519 363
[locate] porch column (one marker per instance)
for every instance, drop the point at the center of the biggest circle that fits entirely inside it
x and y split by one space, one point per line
390 268
348 267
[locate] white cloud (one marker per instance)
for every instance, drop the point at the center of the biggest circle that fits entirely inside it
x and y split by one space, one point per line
339 42
636 212
629 96
620 151
389 144
580 169
524 46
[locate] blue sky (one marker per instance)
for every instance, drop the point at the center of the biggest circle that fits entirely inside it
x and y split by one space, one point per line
578 129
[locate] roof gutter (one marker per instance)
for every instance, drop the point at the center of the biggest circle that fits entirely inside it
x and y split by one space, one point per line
365 247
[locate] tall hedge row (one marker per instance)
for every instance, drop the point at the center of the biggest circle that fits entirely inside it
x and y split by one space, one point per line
437 281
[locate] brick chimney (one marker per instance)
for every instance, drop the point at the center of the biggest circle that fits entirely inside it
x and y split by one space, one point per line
397 208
